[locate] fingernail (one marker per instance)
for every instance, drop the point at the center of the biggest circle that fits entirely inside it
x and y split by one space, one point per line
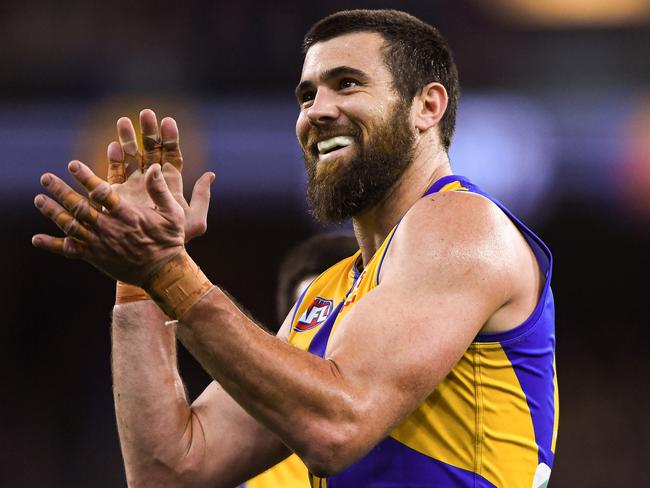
74 166
156 171
35 241
46 180
212 177
39 201
167 131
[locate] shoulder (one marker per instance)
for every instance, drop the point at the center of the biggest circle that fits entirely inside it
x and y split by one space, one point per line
455 217
454 237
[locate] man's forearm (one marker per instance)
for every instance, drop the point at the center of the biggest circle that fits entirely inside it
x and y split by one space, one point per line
297 395
153 416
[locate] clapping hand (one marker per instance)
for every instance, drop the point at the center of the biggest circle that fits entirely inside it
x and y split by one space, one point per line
144 221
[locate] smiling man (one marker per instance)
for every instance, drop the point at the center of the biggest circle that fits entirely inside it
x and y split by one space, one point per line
425 359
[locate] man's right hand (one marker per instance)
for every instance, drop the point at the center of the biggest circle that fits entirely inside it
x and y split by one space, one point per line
159 147
127 166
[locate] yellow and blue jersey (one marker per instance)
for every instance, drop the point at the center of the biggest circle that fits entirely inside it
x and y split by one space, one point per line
491 422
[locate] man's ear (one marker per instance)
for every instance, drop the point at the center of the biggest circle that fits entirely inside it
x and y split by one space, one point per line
430 106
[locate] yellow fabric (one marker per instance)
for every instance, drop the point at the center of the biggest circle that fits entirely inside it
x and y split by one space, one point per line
505 428
556 403
473 406
290 473
317 482
453 186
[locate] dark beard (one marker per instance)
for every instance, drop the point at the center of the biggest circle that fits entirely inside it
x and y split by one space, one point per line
337 195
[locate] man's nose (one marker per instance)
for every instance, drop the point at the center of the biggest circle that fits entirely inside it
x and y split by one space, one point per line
324 109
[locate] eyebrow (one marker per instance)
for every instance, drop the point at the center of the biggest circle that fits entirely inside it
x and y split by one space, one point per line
329 75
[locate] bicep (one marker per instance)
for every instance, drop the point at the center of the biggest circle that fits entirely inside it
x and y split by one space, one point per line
230 446
403 337
394 352
407 336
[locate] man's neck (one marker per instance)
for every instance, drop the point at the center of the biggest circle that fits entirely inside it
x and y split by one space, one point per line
372 226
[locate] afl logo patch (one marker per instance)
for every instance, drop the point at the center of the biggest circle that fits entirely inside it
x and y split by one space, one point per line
315 314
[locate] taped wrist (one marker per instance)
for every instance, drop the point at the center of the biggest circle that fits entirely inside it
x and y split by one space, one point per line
125 293
177 285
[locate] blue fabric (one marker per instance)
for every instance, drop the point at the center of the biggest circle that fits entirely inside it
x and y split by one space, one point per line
392 464
318 344
531 357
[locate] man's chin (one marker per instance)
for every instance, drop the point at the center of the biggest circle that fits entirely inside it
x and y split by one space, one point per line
327 170
326 202
325 219
330 163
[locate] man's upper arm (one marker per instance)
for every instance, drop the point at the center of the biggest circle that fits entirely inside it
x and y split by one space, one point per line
228 445
441 281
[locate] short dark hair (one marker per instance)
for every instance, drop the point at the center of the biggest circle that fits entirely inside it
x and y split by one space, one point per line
416 53
310 258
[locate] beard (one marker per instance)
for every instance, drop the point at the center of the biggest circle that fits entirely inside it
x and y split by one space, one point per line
341 189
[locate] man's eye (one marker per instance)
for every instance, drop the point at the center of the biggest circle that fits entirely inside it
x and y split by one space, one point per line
349 83
307 96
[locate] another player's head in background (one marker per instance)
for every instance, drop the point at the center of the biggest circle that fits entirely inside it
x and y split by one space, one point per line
305 262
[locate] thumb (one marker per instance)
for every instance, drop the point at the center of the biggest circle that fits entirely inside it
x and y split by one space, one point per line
200 201
158 190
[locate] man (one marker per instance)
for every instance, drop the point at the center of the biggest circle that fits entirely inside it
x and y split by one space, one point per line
426 359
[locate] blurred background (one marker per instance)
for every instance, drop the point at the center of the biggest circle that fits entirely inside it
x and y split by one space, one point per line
554 120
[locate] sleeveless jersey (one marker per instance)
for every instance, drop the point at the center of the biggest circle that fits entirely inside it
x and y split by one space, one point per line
492 421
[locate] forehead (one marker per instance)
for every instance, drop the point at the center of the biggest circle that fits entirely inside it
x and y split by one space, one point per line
360 50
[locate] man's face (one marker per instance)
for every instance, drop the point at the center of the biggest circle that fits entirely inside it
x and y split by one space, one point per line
354 130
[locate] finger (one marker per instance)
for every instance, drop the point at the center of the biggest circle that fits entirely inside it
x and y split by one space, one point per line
116 165
70 199
174 181
95 205
62 218
48 243
151 142
129 143
98 189
197 217
67 246
171 150
158 189
200 202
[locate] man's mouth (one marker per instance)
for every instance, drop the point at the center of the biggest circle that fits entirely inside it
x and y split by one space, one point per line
334 143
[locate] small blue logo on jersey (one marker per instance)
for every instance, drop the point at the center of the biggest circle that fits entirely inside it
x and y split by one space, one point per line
315 314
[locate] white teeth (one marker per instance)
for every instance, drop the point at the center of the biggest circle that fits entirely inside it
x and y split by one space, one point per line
329 144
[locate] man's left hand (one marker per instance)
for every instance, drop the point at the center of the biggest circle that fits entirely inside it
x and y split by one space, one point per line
126 241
